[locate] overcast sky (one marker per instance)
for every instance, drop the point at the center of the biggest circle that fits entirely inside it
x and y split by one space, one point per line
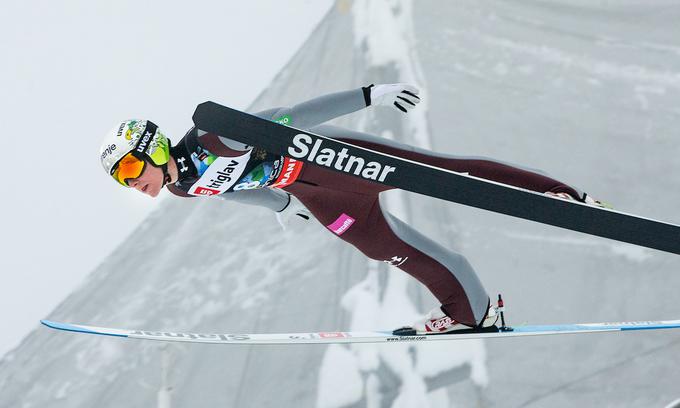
70 71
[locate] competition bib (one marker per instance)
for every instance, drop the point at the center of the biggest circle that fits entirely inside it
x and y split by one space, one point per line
222 173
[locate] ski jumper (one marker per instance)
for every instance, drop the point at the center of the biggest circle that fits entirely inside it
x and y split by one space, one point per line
350 207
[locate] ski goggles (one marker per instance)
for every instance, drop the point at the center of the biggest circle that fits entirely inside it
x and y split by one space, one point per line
129 167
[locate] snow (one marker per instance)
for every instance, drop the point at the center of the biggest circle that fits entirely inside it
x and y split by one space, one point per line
562 59
628 251
590 66
631 252
385 30
96 360
340 382
413 391
63 390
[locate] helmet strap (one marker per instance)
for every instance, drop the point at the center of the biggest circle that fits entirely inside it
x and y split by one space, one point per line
166 175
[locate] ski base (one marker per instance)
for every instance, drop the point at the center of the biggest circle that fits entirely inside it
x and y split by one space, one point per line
363 336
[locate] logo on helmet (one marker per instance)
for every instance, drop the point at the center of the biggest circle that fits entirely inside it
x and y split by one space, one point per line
120 130
144 142
108 150
132 126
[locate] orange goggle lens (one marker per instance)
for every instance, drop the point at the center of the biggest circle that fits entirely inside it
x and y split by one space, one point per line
129 167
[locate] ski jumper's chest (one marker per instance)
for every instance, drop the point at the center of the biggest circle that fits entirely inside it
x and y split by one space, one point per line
221 169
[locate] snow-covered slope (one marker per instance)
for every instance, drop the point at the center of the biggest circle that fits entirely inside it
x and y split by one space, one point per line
583 90
589 92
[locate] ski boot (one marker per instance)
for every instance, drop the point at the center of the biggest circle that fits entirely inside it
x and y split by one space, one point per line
438 322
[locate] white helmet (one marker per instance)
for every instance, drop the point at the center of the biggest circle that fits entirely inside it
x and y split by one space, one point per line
140 138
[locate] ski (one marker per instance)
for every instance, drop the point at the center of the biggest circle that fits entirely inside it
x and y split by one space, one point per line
429 180
363 336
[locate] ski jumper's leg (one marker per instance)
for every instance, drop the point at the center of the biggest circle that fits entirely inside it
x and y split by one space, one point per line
447 274
350 209
482 167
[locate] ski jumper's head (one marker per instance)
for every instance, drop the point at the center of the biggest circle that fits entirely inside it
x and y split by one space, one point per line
136 154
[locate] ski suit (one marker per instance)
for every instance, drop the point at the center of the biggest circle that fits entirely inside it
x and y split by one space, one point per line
349 207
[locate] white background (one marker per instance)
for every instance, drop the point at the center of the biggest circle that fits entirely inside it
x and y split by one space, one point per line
70 70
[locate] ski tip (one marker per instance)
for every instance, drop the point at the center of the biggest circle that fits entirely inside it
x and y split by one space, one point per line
77 328
49 323
201 108
61 326
206 103
66 327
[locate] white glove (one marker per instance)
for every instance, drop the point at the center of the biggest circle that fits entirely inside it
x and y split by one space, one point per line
402 97
294 211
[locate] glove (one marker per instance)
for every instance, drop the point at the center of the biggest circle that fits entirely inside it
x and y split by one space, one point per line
402 97
294 211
